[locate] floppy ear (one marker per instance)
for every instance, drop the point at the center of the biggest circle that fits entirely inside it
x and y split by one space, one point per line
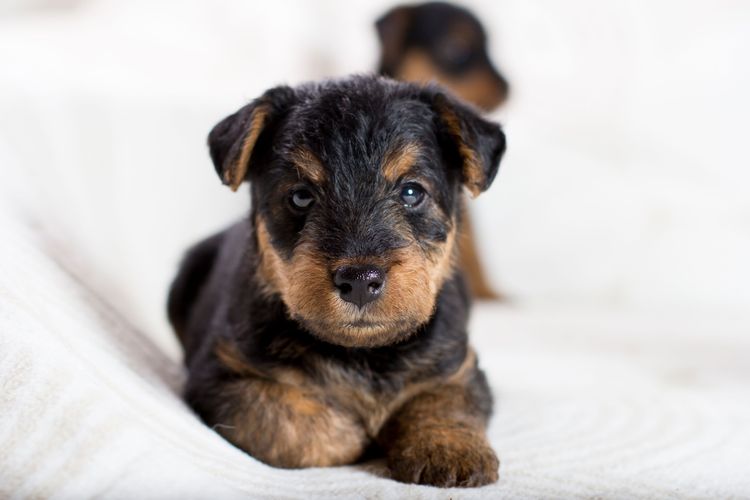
480 144
233 140
392 28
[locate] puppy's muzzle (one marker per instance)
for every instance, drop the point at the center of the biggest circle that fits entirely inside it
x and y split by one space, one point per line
359 285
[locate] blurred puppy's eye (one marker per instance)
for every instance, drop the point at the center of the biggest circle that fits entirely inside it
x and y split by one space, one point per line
301 199
412 194
454 56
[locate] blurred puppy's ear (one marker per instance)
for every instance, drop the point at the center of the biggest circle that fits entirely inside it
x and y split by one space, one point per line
392 29
479 144
233 140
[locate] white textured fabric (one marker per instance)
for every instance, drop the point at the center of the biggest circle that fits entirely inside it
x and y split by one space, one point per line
618 225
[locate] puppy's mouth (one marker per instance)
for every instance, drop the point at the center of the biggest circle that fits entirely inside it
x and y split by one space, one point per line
359 332
362 323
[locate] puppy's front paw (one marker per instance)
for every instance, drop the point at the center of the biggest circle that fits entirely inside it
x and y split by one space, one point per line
444 457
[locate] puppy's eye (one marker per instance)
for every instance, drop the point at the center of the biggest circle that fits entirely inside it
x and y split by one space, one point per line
412 194
301 199
454 55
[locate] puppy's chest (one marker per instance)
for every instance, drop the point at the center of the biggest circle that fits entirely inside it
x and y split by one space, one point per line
369 398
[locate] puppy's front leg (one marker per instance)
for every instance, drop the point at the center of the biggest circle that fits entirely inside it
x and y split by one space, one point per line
281 424
438 437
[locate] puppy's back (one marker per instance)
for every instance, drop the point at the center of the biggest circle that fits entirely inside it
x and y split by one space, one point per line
202 277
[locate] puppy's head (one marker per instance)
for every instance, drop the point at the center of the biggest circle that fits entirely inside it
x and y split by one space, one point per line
355 190
441 42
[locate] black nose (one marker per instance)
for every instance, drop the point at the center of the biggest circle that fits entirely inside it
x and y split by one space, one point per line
359 284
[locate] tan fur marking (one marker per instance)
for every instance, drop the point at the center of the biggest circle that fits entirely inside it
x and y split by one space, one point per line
281 419
435 438
413 281
442 452
286 426
235 174
473 174
309 166
417 67
399 161
446 262
376 417
374 409
478 86
271 267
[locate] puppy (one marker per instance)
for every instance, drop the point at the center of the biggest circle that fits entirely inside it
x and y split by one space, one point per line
332 320
441 42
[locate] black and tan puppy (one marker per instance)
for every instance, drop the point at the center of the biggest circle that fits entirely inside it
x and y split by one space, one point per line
332 320
442 42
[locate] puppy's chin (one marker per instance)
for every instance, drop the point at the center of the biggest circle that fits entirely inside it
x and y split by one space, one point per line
360 333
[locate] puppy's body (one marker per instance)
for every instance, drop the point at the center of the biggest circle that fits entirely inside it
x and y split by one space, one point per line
283 360
352 390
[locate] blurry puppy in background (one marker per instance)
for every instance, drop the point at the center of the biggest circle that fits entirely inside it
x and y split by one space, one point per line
444 43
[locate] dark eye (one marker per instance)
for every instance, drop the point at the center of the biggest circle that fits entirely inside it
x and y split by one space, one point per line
454 56
412 194
301 199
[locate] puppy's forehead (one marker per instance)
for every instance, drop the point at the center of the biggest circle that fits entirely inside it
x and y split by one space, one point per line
437 21
354 133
